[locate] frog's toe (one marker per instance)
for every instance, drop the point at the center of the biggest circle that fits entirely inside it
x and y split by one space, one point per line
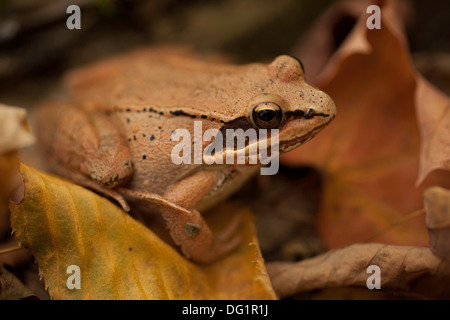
223 247
200 245
230 229
219 249
223 242
124 204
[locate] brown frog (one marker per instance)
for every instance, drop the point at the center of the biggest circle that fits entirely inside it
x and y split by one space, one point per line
114 131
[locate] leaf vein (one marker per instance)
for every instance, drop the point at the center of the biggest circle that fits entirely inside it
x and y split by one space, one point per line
133 267
103 241
51 230
79 239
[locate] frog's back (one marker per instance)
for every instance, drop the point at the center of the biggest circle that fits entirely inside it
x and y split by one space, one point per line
166 79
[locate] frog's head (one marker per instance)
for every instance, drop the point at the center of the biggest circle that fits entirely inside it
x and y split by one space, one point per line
290 104
282 99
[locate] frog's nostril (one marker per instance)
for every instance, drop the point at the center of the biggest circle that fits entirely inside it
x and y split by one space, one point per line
309 113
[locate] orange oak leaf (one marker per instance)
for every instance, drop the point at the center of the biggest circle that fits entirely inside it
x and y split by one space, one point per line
437 206
370 153
433 113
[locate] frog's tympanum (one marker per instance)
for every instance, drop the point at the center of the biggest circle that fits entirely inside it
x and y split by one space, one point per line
112 132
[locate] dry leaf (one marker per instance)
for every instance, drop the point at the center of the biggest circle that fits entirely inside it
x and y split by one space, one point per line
437 206
433 113
337 24
14 134
370 152
9 170
401 268
64 224
12 288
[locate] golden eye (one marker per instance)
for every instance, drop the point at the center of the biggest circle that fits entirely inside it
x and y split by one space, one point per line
267 115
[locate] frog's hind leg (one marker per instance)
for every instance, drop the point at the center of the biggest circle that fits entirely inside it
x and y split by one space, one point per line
151 197
186 225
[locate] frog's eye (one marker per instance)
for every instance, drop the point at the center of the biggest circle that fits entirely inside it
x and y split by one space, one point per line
267 115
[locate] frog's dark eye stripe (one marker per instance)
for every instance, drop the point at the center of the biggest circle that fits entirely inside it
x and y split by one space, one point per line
308 114
267 115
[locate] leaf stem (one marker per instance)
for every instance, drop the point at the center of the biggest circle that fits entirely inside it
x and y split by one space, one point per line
13 249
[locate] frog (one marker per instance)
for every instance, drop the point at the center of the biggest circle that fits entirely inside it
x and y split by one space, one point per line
111 131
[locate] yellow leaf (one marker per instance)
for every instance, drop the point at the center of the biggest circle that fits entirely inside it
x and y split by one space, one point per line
64 224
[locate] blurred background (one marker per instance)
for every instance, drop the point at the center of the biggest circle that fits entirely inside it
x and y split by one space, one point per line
36 47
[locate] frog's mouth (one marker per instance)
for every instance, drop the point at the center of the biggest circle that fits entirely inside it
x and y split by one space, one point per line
272 147
291 144
250 153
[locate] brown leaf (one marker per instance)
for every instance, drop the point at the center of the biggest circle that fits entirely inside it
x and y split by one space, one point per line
344 21
64 224
401 268
433 113
9 170
437 206
370 152
12 288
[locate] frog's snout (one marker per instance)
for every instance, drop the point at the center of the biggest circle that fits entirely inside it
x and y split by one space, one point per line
321 110
324 108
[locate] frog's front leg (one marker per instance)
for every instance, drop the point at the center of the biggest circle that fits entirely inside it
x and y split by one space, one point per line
85 147
190 231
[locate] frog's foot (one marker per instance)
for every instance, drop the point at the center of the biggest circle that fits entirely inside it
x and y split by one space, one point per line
230 230
93 185
226 240
109 193
188 229
196 241
219 249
